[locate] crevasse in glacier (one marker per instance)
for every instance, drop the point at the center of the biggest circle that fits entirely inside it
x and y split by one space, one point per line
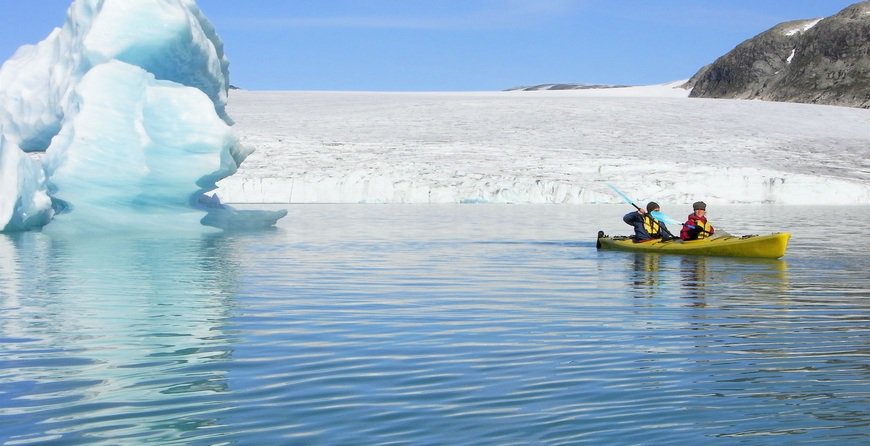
127 102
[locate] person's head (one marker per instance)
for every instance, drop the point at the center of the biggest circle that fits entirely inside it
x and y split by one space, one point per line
652 206
700 208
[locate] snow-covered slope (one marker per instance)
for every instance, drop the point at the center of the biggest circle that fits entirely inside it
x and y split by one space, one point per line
545 147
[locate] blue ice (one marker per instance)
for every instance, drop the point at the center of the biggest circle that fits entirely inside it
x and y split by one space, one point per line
115 123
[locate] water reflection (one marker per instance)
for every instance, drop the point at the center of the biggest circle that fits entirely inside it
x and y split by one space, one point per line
117 326
647 274
695 276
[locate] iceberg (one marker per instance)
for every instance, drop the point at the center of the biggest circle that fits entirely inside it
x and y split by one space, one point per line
112 122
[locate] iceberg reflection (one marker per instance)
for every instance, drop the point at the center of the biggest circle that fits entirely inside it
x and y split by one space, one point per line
127 328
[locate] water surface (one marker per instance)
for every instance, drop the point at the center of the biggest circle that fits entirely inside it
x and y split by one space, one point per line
431 325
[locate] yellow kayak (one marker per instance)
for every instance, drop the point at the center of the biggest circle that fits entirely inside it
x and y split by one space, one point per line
766 246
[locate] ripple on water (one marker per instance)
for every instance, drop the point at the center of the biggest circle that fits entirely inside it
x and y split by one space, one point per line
428 336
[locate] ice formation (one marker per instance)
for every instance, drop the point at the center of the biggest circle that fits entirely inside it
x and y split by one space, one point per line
124 109
24 201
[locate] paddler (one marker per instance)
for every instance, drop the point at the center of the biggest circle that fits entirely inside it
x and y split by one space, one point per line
696 225
647 228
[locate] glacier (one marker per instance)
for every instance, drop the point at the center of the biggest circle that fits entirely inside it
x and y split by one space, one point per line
104 128
560 147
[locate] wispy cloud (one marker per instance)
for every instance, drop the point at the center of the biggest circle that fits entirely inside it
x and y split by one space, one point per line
372 22
483 14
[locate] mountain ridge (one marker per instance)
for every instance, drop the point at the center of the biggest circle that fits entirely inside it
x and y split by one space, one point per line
818 61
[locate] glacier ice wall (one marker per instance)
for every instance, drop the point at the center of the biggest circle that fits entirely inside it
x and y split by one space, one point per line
127 101
545 147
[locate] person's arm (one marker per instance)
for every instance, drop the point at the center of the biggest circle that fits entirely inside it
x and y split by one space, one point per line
631 218
684 231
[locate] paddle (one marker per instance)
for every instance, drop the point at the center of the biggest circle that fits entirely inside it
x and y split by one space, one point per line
624 197
660 216
654 214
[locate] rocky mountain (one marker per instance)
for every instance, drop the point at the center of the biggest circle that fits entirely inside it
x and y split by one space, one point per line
820 61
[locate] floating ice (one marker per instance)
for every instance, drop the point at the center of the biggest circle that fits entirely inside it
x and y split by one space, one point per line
174 146
127 100
169 38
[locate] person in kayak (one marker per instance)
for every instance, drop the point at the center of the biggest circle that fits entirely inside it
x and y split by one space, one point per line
696 226
647 228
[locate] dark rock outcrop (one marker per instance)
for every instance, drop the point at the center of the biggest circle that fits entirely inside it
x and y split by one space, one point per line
823 61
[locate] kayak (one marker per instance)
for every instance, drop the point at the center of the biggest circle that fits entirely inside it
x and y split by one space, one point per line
770 246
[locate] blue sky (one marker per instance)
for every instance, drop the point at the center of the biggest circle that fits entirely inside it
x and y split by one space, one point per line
438 45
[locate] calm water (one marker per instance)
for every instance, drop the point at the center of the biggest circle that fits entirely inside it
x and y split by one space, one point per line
437 325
